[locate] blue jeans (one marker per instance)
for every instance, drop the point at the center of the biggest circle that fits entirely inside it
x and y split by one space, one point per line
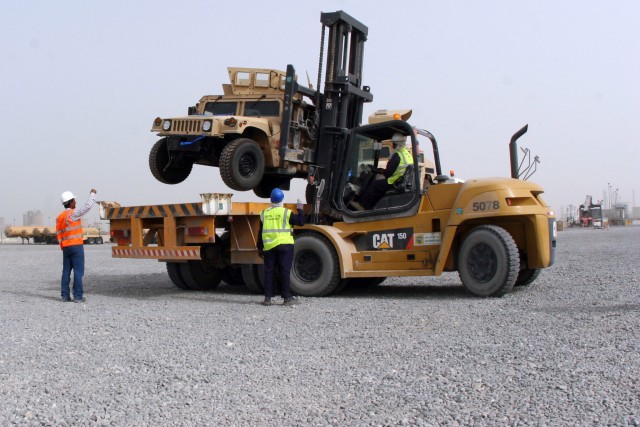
72 259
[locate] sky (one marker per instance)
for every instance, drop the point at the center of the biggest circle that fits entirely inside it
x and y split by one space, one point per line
81 82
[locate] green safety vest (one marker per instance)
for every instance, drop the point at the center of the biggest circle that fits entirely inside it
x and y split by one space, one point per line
406 159
276 229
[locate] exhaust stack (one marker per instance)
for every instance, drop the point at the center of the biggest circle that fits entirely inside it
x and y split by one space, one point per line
513 151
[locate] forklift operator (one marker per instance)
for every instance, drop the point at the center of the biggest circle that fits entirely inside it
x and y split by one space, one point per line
395 169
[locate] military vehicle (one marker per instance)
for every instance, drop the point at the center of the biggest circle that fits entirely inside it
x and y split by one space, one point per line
240 133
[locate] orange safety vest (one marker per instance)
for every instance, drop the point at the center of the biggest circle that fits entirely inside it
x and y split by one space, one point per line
69 233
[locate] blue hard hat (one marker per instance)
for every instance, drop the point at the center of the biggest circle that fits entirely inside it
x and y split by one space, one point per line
277 195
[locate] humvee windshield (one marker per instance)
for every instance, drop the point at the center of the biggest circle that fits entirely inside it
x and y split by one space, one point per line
220 108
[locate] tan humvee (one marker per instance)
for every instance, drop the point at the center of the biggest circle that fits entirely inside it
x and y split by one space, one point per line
239 132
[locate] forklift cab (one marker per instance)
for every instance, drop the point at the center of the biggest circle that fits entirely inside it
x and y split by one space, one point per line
366 154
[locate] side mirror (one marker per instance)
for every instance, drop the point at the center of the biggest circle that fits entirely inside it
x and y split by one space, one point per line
191 111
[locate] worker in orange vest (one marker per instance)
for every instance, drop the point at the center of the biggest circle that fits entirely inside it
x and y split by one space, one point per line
69 232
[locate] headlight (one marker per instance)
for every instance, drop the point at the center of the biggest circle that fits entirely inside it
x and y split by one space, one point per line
206 125
166 125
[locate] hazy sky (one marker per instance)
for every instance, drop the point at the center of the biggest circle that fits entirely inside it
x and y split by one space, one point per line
82 81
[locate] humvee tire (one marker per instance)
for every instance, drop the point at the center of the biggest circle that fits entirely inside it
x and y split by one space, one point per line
242 164
158 161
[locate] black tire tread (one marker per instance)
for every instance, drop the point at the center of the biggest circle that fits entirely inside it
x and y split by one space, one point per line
227 164
512 260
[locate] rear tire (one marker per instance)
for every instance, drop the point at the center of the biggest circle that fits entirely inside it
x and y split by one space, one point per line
200 277
264 188
527 276
158 161
99 241
315 271
242 164
488 261
173 268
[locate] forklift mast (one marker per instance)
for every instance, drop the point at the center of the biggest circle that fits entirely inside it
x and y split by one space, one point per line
342 104
339 108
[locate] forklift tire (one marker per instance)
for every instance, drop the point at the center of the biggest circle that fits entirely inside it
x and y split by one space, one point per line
252 278
488 261
242 164
173 268
199 277
527 276
158 161
315 271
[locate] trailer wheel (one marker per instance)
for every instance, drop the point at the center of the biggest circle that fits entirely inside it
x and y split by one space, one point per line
173 268
252 278
315 270
199 277
159 160
488 261
527 276
90 241
99 240
242 164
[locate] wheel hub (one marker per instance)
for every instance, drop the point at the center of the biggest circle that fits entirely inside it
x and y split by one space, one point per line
247 165
482 263
308 266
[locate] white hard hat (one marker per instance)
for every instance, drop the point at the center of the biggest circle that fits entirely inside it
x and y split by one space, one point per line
66 196
398 137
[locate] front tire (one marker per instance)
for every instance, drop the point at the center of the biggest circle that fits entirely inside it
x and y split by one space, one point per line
316 270
159 161
242 164
488 261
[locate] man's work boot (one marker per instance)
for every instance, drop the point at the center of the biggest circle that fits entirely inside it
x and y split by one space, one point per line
267 301
289 302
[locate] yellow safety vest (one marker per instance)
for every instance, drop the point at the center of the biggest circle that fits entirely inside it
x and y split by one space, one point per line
406 159
276 229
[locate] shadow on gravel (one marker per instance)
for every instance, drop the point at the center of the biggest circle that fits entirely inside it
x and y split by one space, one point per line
406 292
618 308
152 286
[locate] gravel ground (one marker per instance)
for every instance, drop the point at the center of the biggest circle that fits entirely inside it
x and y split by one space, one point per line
416 351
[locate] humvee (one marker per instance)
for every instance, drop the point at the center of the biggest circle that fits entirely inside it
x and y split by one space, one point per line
239 132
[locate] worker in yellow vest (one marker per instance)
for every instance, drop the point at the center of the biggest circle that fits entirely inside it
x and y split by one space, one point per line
275 245
69 233
396 167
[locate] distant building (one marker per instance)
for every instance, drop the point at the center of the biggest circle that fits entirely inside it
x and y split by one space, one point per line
32 218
